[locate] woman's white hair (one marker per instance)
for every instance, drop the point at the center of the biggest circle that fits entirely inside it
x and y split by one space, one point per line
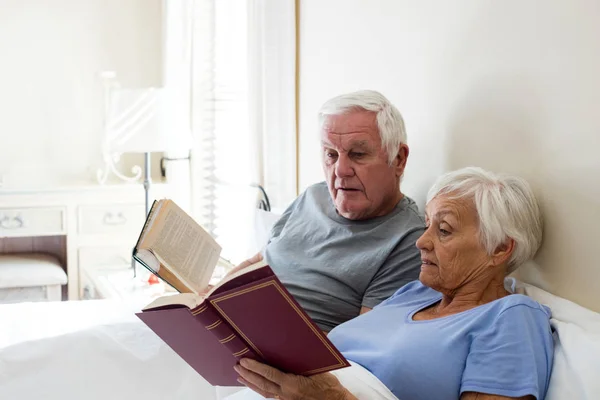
506 207
389 120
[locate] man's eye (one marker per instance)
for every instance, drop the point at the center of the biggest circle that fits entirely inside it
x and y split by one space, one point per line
357 154
330 154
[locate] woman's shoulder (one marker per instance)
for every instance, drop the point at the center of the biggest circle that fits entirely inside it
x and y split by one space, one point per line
414 290
521 304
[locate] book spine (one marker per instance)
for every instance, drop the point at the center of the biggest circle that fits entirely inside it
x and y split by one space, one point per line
226 335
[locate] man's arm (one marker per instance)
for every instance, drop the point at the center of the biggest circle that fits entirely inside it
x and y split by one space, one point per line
483 396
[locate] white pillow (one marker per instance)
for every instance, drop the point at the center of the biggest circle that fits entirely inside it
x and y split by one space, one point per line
576 369
263 222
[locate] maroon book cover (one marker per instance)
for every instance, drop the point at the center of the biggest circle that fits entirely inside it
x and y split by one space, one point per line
268 325
178 328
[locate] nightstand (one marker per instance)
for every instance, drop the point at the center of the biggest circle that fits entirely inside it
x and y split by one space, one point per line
119 283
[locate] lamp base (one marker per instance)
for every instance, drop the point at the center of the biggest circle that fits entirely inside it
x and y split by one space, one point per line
147 183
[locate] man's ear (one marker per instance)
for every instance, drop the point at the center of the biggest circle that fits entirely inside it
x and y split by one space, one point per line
400 160
503 252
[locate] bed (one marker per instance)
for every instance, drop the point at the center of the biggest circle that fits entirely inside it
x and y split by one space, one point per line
98 349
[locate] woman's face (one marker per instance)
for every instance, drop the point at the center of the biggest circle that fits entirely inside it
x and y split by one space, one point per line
451 252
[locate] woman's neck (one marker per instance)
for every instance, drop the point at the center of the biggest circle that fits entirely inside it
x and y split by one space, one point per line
475 293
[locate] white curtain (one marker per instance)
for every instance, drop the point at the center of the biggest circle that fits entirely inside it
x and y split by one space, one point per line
272 96
243 114
177 46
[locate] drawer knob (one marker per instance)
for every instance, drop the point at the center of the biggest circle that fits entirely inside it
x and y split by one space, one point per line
111 219
11 223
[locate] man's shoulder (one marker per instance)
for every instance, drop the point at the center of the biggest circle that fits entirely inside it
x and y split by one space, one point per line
406 216
314 193
316 196
318 190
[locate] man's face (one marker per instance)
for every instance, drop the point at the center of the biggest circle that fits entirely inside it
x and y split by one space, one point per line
361 182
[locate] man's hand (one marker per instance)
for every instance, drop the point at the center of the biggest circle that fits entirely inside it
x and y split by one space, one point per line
269 382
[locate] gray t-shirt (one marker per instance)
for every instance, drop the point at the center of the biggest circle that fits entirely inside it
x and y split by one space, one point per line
333 266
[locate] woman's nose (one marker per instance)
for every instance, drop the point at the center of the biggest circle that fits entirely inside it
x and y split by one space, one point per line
424 242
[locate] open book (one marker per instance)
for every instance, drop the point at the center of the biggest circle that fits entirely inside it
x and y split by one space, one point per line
173 246
248 314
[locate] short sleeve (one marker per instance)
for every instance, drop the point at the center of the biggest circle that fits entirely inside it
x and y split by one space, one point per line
513 356
280 224
401 267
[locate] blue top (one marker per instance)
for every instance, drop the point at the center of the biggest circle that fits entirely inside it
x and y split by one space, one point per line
504 347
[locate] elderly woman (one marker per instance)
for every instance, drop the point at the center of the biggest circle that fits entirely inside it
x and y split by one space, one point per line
457 333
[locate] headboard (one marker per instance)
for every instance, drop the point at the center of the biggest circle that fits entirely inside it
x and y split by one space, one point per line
509 86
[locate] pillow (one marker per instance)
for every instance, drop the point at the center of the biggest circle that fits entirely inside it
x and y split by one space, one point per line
263 222
577 345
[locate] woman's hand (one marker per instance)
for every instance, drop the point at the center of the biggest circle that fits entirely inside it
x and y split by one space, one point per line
272 383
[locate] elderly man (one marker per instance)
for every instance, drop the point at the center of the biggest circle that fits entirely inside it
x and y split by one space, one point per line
347 244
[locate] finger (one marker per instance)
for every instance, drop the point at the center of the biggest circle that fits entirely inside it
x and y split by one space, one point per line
270 373
258 380
256 389
206 290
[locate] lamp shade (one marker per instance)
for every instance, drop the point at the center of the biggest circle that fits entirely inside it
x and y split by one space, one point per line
146 120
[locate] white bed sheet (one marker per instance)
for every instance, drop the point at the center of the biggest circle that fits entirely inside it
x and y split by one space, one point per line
89 350
99 349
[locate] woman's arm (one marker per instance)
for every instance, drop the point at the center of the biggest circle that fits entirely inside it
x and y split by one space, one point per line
272 383
483 396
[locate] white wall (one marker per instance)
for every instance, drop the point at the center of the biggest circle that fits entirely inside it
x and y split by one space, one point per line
508 85
50 94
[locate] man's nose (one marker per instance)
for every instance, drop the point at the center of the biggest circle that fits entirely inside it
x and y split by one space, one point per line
343 167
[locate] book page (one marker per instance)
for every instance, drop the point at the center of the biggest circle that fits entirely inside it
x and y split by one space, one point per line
149 260
189 300
183 247
154 211
235 275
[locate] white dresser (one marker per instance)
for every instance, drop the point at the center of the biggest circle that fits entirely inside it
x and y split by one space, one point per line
85 226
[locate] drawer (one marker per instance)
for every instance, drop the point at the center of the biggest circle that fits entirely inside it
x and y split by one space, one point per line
34 221
112 219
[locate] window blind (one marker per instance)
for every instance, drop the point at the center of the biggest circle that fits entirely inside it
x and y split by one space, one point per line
223 164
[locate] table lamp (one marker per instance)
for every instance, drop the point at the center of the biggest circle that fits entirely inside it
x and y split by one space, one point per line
145 121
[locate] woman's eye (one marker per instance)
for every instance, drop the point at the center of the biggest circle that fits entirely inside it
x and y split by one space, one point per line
444 232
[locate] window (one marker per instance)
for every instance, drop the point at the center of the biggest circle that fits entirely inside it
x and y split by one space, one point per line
242 103
223 158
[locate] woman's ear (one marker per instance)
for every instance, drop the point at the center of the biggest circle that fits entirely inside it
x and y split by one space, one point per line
503 252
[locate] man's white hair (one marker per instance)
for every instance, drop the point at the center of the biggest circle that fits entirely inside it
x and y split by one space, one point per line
389 120
506 207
